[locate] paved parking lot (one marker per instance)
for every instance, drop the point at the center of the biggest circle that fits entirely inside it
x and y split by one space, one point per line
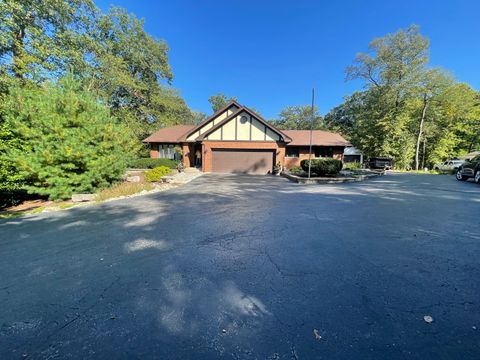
249 267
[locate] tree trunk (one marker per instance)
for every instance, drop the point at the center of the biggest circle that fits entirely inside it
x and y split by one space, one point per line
420 131
423 153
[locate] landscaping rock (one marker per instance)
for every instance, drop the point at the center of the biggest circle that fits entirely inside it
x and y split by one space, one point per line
134 179
168 179
83 197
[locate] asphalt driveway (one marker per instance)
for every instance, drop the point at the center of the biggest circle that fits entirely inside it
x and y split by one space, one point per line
249 267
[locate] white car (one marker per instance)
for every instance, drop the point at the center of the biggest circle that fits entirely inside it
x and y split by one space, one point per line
449 165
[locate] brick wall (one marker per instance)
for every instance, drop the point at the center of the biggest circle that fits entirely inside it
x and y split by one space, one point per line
153 150
279 147
188 155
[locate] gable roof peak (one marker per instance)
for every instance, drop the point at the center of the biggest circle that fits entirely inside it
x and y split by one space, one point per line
211 117
285 137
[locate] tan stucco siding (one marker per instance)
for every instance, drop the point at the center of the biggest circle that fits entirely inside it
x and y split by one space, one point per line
193 136
258 130
229 130
206 127
211 123
216 135
243 126
248 129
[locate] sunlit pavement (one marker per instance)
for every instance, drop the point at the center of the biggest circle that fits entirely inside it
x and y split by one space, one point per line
250 267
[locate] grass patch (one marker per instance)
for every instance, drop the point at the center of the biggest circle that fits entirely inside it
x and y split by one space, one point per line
65 206
10 215
36 210
122 189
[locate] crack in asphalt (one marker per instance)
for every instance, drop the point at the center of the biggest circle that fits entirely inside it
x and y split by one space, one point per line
83 312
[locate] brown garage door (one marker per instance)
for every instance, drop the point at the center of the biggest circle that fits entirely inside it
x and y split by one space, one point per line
242 161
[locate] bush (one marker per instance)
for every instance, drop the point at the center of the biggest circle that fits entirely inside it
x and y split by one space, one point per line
352 166
155 174
148 163
323 166
66 140
296 170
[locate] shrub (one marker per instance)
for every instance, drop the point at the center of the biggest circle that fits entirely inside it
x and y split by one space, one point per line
67 141
122 189
323 166
155 174
296 170
148 163
352 166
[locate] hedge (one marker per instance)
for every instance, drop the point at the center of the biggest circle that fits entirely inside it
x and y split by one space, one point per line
155 174
149 163
323 166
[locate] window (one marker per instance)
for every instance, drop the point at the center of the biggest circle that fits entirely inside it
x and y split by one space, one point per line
166 151
292 151
323 151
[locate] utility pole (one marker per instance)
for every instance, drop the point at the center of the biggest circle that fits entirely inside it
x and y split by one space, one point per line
311 134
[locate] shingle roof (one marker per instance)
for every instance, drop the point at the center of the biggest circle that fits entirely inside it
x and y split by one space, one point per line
319 138
169 134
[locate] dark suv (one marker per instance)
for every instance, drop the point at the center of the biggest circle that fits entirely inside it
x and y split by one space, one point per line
470 169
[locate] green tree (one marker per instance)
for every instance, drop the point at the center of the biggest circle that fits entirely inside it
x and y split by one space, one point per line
298 118
391 71
219 101
453 123
198 117
415 114
111 52
39 38
67 141
430 85
131 71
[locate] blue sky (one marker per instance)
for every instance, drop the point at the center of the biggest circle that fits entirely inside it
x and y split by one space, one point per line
270 53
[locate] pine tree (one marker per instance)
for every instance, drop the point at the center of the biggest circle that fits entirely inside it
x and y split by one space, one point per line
67 141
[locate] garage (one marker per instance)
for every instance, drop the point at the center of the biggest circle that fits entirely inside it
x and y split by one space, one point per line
251 161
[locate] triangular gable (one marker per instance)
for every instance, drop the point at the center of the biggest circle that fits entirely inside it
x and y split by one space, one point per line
224 112
244 125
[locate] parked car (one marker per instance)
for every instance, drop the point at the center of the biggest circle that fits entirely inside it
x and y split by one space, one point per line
469 169
449 165
381 163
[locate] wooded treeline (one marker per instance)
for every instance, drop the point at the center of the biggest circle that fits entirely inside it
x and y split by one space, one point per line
414 113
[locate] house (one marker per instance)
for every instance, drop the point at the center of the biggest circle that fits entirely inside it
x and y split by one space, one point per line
236 139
